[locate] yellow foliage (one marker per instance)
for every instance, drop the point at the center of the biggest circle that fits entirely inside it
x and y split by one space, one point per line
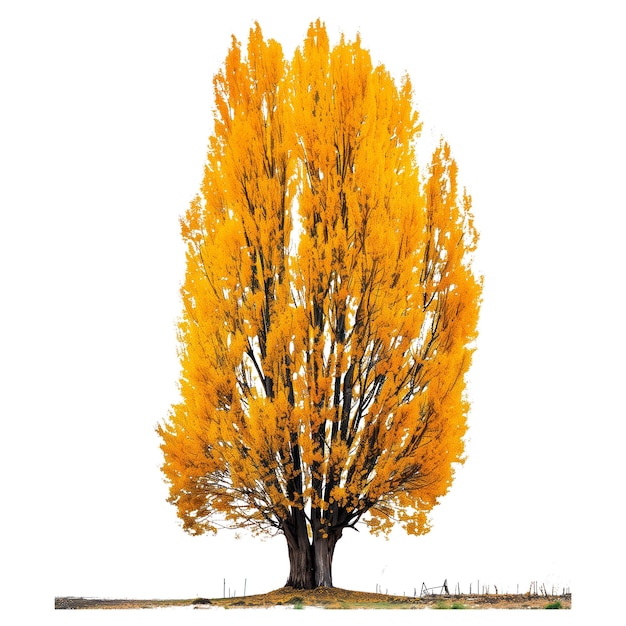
329 305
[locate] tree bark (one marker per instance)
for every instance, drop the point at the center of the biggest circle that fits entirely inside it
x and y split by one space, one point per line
323 551
310 563
301 564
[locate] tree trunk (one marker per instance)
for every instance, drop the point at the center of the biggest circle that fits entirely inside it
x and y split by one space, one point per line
323 550
301 564
310 565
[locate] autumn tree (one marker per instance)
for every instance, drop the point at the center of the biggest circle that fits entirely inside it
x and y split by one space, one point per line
330 308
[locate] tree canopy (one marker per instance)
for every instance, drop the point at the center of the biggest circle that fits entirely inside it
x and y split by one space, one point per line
329 307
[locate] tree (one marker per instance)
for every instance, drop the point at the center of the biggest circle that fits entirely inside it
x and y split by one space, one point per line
330 309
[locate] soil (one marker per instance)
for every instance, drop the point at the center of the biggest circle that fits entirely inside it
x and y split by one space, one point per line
332 598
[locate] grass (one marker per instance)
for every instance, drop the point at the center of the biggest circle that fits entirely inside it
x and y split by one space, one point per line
455 605
297 602
554 605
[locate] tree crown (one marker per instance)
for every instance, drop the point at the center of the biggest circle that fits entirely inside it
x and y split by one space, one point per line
329 305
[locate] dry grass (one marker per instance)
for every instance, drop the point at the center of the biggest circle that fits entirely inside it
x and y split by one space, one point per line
329 598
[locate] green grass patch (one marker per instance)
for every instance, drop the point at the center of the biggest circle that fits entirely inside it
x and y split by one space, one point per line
554 605
297 602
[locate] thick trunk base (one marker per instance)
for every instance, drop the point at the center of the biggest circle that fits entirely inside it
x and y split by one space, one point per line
310 564
301 563
323 550
301 569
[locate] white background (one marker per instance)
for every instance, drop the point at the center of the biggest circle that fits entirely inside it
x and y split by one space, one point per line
106 109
